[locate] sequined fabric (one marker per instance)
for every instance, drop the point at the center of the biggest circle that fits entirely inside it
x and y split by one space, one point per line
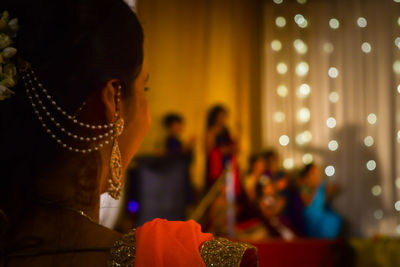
123 252
223 253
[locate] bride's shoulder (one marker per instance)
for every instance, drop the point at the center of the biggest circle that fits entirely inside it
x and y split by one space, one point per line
177 243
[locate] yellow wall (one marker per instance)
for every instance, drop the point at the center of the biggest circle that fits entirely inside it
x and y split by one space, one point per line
201 53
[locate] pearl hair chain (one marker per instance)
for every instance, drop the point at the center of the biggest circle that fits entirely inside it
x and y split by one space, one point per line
34 95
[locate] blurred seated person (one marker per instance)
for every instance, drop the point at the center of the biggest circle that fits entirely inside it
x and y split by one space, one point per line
220 146
174 126
320 220
258 166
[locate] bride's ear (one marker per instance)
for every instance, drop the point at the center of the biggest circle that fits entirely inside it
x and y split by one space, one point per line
109 99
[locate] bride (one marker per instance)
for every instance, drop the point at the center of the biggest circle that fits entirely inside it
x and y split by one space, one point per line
73 112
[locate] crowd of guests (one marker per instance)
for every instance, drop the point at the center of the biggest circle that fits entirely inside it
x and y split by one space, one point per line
269 202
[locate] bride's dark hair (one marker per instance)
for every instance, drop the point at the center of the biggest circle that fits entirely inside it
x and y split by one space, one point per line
75 47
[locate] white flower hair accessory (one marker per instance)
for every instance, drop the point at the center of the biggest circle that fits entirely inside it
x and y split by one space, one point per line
8 69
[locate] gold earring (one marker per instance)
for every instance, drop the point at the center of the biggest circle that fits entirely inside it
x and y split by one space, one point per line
115 179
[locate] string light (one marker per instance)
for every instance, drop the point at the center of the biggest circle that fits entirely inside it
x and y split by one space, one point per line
333 145
371 165
333 72
398 229
334 23
307 158
328 48
372 118
303 91
302 69
303 115
398 21
288 163
282 91
276 45
369 141
278 2
376 190
330 171
397 205
303 138
284 140
397 182
302 2
396 67
279 116
280 22
378 214
281 68
397 42
331 122
300 46
301 21
361 22
366 47
334 97
398 88
398 137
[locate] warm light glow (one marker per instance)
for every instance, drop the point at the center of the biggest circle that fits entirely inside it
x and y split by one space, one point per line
397 42
396 67
396 1
300 46
333 72
398 21
334 97
288 163
307 158
398 229
302 1
303 91
282 91
281 68
304 115
301 21
398 88
369 141
366 47
376 190
398 137
280 22
331 122
397 182
279 116
334 23
278 1
276 45
361 22
303 138
302 69
397 205
378 214
371 165
328 48
333 145
284 140
372 118
330 170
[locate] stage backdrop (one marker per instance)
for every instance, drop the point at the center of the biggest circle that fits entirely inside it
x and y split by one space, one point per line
202 53
331 93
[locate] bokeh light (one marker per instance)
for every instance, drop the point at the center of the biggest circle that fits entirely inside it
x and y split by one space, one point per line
303 115
282 91
397 42
371 165
333 145
366 47
376 190
334 23
330 170
398 21
280 22
278 1
276 45
307 158
397 205
300 46
288 163
279 117
302 69
333 72
303 138
372 118
398 88
397 182
302 1
369 141
396 67
301 21
284 140
334 97
303 91
362 22
378 214
331 122
328 48
281 68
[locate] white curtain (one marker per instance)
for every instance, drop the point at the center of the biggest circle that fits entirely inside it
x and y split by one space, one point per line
351 64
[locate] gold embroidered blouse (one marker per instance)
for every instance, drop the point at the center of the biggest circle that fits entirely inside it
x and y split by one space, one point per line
218 252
